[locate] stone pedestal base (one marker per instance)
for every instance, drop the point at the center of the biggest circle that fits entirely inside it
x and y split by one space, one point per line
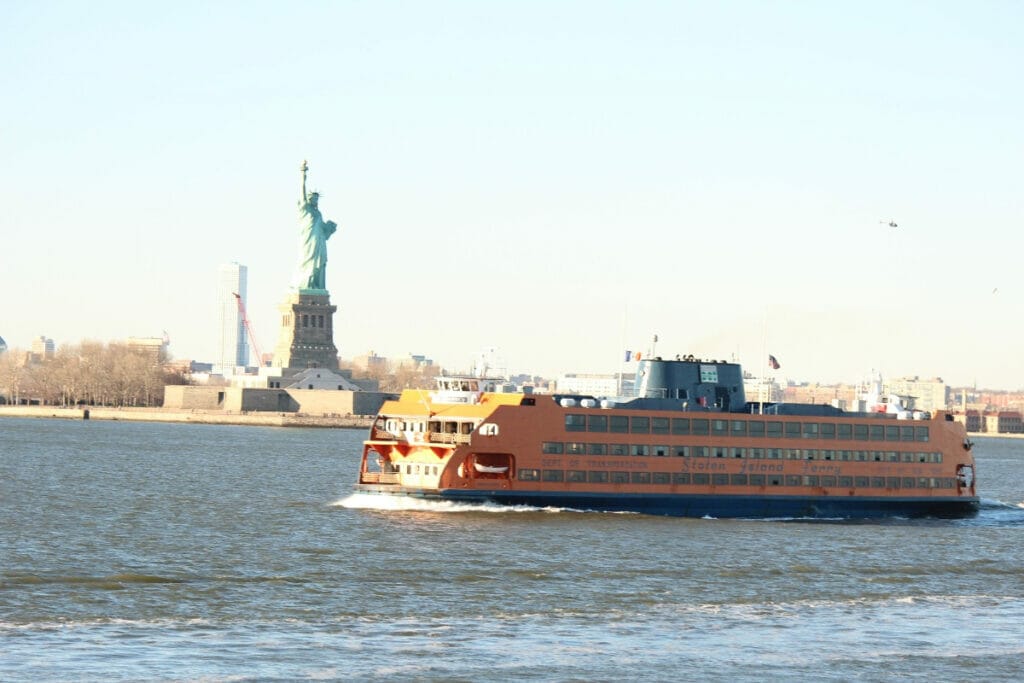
307 332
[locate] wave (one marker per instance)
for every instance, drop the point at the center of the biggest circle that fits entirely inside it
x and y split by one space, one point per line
370 501
112 581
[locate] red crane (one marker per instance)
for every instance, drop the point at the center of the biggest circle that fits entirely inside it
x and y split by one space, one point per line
248 329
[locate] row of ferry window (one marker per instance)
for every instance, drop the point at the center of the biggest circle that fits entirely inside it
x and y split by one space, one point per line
579 448
576 422
611 477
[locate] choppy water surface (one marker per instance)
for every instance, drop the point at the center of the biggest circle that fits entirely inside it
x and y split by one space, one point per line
184 552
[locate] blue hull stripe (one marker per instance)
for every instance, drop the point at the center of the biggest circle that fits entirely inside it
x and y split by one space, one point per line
696 505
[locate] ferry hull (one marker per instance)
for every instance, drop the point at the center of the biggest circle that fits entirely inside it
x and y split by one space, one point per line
705 505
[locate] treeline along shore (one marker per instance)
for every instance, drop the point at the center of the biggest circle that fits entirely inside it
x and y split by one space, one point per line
261 419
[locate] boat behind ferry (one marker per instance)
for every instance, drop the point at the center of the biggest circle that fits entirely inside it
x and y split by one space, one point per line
688 444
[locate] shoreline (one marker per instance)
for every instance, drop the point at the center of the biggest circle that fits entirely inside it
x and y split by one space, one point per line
218 417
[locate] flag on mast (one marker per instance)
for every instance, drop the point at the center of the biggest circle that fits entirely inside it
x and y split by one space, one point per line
773 363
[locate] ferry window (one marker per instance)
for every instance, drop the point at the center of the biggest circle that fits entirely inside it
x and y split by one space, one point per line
925 483
552 475
860 432
738 428
793 430
617 449
891 456
640 425
719 426
828 481
906 433
659 450
739 452
641 477
620 477
775 481
892 433
639 449
907 457
810 480
681 451
738 479
618 423
862 456
575 475
792 480
844 431
774 454
552 447
680 425
810 430
908 482
699 426
659 425
860 481
936 457
408 469
876 456
757 480
878 432
719 451
700 478
575 448
828 455
920 433
720 479
596 449
682 394
846 482
827 430
529 475
659 477
756 428
680 477
597 423
810 454
892 482
846 455
575 423
434 426
757 453
791 453
597 477
700 451
878 482
774 429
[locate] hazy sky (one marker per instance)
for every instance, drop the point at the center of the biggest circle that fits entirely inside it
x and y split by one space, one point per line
561 180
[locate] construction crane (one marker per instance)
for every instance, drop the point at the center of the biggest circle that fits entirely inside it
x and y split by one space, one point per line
248 329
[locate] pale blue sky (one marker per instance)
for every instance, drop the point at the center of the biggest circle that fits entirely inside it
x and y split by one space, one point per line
557 179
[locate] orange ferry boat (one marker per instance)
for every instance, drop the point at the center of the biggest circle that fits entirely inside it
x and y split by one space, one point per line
689 444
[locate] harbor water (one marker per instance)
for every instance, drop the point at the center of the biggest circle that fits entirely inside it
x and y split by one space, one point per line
176 552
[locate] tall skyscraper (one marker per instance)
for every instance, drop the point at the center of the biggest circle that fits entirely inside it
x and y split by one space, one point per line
233 345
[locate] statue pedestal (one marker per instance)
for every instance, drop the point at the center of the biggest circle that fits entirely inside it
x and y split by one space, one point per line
307 332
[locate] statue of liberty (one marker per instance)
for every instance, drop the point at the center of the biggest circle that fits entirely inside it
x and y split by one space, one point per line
314 232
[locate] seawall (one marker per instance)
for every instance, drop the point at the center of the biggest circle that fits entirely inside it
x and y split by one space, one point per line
263 419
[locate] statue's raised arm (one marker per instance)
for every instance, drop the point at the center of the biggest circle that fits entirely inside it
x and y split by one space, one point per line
314 232
305 170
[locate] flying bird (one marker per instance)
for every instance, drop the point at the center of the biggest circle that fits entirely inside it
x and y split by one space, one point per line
892 224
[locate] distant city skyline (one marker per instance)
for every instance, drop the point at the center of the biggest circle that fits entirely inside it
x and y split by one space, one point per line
562 181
